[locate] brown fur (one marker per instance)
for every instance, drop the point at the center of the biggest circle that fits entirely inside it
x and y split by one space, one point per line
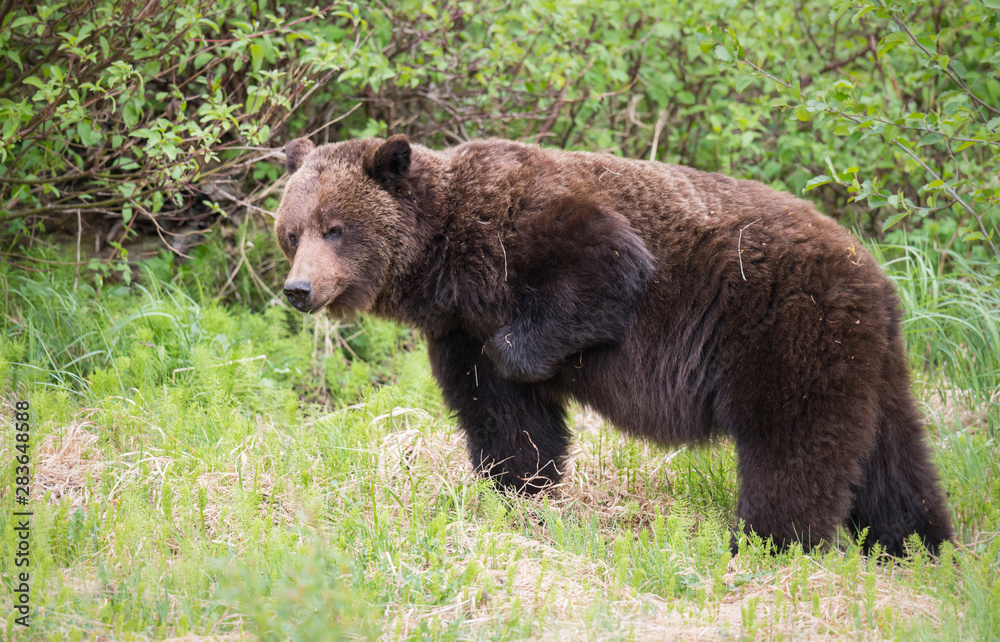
679 304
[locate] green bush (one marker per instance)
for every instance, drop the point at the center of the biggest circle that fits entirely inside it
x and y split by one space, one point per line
910 106
156 113
149 112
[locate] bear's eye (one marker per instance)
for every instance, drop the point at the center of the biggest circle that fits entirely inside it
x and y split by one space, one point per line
293 240
334 232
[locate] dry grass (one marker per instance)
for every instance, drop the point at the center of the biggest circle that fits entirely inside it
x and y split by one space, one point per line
68 462
594 482
948 405
783 598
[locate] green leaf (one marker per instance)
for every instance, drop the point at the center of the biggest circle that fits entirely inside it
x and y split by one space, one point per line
890 133
895 218
34 82
803 114
842 129
88 133
723 54
256 56
813 183
740 53
685 97
829 165
10 127
742 82
875 200
23 20
131 113
930 139
862 13
891 41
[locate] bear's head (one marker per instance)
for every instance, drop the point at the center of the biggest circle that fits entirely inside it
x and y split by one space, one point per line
341 222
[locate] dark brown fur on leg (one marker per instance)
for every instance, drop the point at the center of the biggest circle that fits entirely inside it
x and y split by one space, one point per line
788 497
517 435
799 396
899 493
797 469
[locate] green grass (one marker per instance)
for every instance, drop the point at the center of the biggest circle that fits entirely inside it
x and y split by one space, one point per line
204 468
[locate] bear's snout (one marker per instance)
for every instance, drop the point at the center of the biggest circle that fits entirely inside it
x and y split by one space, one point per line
298 294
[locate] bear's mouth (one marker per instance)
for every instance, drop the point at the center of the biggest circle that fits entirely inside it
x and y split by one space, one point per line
327 304
336 303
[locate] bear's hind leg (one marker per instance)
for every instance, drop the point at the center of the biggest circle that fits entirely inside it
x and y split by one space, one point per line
516 432
798 470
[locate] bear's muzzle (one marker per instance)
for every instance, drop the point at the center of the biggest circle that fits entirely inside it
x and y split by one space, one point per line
298 294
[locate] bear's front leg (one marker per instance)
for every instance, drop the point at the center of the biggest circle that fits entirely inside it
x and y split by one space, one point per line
516 432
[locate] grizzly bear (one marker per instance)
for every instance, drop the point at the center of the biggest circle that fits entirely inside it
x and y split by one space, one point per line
681 305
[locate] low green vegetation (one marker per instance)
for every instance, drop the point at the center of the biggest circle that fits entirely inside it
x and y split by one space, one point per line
212 469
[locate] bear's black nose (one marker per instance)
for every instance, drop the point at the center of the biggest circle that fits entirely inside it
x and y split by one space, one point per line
298 294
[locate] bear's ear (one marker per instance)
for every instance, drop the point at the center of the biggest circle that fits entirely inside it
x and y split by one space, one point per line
389 163
296 152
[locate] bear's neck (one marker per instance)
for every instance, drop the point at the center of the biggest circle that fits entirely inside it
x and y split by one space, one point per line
449 273
412 295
